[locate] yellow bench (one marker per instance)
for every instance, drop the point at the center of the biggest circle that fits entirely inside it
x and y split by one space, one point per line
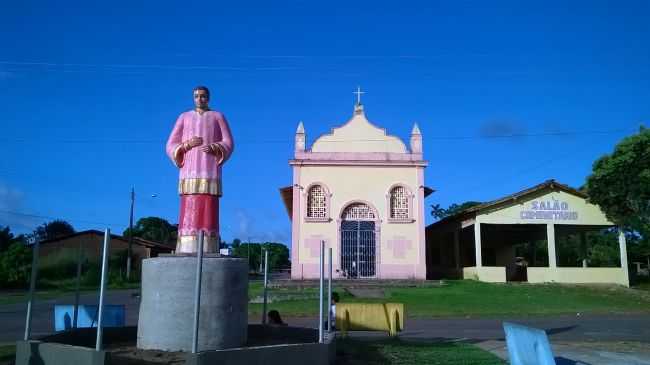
387 317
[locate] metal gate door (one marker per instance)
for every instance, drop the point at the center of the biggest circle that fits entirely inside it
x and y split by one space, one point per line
358 249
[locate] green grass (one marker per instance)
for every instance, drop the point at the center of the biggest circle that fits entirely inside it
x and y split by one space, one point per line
357 352
472 298
59 288
7 354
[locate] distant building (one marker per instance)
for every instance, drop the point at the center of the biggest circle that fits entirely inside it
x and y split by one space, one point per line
480 242
91 242
361 191
225 251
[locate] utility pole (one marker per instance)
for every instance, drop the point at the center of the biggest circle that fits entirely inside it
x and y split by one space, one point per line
128 251
248 253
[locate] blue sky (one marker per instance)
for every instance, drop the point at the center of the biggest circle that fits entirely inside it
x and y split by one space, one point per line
89 93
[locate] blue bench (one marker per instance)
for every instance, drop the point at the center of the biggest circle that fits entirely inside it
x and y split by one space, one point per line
87 316
527 346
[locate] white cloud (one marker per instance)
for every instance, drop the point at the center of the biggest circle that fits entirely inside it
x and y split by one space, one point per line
11 207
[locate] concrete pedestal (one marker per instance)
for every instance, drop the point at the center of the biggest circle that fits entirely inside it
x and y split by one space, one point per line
167 303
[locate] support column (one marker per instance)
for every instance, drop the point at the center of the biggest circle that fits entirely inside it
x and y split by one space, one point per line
550 239
583 248
477 244
623 249
457 249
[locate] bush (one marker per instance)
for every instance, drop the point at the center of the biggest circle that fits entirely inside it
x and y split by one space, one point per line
15 266
60 265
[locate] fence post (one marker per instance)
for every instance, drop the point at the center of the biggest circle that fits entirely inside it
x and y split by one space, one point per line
102 289
197 293
329 294
266 274
320 299
32 286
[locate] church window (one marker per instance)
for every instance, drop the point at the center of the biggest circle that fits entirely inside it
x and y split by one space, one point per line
358 211
399 203
317 202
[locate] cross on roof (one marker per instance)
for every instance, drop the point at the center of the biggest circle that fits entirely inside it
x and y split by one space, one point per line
358 93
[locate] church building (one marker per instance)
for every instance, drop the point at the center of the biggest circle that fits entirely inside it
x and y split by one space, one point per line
361 191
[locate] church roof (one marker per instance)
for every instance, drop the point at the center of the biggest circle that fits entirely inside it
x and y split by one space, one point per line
359 135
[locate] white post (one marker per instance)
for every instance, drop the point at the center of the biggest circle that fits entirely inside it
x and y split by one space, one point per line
320 299
329 294
477 244
102 289
266 282
197 294
457 249
32 286
75 314
583 248
550 239
623 249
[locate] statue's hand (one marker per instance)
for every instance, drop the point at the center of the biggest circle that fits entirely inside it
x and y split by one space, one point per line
212 149
193 142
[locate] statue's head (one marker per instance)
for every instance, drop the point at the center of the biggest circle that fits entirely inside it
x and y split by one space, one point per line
201 97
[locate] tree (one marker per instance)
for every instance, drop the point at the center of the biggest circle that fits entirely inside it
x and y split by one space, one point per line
53 229
6 238
236 242
620 183
154 229
278 254
15 265
442 213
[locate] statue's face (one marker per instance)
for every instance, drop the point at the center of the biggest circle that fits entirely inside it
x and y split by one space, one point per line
201 99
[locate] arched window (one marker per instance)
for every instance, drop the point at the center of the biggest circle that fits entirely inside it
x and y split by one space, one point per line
399 203
317 202
358 211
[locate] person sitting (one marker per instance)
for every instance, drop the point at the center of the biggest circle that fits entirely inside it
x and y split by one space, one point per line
274 318
335 299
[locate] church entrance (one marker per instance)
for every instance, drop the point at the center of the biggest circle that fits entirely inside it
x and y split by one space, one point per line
358 247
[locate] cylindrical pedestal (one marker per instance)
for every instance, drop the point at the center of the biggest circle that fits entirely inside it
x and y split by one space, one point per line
167 303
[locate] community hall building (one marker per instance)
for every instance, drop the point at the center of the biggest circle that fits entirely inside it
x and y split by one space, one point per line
481 242
361 191
90 244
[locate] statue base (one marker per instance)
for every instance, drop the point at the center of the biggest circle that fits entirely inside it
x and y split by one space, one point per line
167 303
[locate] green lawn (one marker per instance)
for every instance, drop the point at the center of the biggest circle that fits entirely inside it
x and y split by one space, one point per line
472 298
455 298
357 352
7 354
55 289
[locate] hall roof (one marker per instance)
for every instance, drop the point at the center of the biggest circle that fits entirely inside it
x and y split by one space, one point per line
473 211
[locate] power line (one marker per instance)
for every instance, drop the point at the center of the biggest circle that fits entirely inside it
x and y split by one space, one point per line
259 141
54 218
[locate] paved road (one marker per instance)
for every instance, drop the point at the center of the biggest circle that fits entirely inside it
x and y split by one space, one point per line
560 328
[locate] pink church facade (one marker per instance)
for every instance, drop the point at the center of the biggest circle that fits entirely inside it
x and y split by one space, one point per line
361 191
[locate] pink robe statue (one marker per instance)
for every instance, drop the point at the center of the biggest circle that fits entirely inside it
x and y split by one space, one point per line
200 176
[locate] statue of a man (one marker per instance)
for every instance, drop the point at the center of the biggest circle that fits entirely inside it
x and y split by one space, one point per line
199 145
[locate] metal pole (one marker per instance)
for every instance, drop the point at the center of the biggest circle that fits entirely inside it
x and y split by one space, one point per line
261 251
266 282
32 286
358 268
102 288
197 294
128 251
320 300
75 314
329 294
